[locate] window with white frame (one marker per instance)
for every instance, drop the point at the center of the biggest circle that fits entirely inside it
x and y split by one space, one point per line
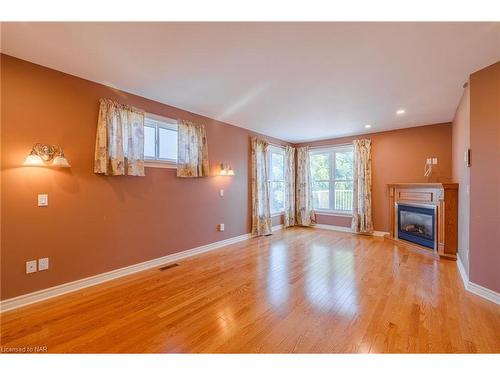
160 139
276 179
332 176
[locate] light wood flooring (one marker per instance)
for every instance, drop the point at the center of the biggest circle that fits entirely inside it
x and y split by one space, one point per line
300 290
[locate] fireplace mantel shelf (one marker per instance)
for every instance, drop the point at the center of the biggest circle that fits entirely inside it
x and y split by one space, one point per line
441 195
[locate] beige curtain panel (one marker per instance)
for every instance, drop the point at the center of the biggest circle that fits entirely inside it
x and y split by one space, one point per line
119 147
362 187
289 187
261 212
192 150
304 209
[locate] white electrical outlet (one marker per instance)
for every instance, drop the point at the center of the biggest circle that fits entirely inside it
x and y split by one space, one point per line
43 200
43 264
429 161
434 161
221 192
221 227
31 266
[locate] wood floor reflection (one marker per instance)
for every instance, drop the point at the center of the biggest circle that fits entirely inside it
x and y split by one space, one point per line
300 290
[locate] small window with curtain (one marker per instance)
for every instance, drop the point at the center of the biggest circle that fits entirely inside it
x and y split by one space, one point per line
332 179
276 179
160 141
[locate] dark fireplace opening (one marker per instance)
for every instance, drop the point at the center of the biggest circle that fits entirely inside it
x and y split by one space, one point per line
416 224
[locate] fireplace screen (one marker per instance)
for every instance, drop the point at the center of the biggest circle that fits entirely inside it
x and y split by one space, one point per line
416 224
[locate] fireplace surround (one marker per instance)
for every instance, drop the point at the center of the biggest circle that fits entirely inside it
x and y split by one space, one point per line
424 217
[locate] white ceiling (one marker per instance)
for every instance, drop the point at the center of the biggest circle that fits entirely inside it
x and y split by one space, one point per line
293 81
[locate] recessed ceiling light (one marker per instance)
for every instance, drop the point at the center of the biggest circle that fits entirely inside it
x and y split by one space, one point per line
401 111
368 126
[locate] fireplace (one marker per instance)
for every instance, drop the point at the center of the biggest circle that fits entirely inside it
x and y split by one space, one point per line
417 223
435 225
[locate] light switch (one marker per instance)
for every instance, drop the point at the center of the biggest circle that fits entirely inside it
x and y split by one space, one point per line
221 192
43 200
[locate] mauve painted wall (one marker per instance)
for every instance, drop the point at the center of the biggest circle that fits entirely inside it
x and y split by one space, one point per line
460 172
484 255
399 156
95 224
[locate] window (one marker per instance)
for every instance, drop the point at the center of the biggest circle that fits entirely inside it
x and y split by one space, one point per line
331 174
160 139
276 178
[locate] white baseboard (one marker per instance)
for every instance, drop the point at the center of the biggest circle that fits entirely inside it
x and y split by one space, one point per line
40 295
375 233
479 290
463 273
277 227
333 227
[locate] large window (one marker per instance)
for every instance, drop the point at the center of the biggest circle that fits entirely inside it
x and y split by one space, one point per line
160 139
276 178
331 173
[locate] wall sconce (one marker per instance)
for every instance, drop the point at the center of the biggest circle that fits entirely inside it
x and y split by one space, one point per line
226 170
41 155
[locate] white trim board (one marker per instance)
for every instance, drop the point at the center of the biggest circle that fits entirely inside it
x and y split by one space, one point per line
278 227
40 295
375 233
58 290
479 290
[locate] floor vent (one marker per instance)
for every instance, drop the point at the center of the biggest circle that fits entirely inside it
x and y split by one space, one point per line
168 266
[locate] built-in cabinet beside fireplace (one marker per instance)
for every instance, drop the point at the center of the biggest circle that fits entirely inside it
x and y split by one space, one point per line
425 216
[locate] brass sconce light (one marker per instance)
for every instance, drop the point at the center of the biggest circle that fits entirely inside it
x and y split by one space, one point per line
226 170
45 155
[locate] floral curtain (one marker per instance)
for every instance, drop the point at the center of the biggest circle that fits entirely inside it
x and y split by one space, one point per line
305 213
289 187
261 212
119 147
192 150
362 187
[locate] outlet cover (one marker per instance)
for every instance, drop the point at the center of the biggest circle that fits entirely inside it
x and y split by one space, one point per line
434 161
221 227
31 266
43 264
43 200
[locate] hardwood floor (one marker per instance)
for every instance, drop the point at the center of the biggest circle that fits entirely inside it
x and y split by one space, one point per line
300 290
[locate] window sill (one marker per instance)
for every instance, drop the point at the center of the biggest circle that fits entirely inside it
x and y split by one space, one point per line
333 213
159 164
277 214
